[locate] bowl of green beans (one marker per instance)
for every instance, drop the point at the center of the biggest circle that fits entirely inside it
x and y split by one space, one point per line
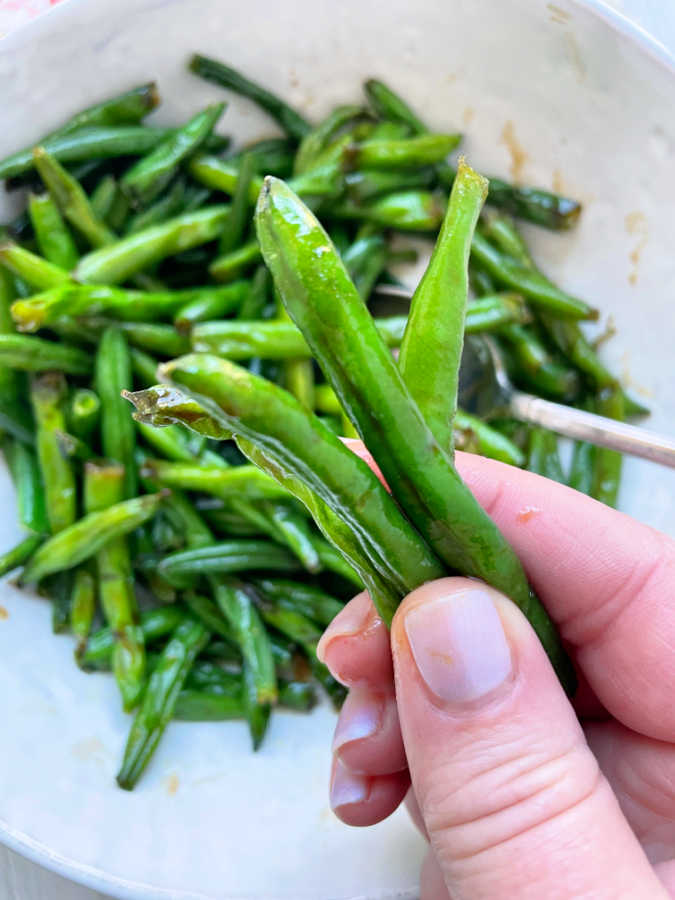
205 218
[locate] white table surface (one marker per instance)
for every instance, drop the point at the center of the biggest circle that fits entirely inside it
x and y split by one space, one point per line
24 880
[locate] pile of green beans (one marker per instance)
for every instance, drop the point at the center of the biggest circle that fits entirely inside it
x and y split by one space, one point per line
197 545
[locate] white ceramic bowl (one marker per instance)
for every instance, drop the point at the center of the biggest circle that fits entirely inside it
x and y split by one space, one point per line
590 106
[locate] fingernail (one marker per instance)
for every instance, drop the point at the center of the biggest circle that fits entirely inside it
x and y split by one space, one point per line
346 787
458 644
349 621
360 717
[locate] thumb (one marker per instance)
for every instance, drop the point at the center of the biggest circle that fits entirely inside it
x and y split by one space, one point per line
512 798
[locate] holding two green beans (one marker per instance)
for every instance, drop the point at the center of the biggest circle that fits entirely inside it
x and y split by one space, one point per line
199 551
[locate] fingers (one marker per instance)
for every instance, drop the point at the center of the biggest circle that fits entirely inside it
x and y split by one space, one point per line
362 800
498 761
606 580
355 646
367 737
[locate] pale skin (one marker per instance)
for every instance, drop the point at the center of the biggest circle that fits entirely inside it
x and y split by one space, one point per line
521 793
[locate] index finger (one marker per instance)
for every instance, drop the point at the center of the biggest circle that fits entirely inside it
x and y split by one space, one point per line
606 580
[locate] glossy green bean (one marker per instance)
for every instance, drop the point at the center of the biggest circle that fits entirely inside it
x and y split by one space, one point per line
295 443
90 143
421 150
195 705
431 348
15 418
295 532
607 464
319 296
105 486
83 412
228 483
51 233
542 455
238 218
71 199
33 269
233 264
315 142
33 354
96 653
185 568
271 156
310 601
28 485
103 197
119 261
237 605
211 303
82 604
207 611
225 76
17 555
159 700
388 105
476 436
85 538
530 363
151 174
48 393
407 210
112 376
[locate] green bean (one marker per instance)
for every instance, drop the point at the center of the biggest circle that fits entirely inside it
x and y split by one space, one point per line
542 455
367 184
104 486
207 611
159 700
227 483
256 299
530 362
407 210
161 405
158 338
209 676
85 538
534 205
212 303
221 175
257 713
172 441
431 349
17 556
208 706
90 143
315 142
185 568
475 436
83 412
219 73
237 339
112 376
582 467
171 203
295 532
363 519
531 284
185 518
33 354
271 156
97 652
144 367
237 221
71 199
103 197
118 213
48 393
388 105
58 588
318 294
30 492
607 463
119 261
422 150
15 418
71 447
51 233
306 599
151 174
82 605
31 268
73 300
234 263
365 260
236 603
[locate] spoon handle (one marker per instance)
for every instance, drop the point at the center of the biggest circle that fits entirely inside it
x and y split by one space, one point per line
585 426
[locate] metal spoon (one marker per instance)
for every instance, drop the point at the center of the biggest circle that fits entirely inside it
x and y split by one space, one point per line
485 390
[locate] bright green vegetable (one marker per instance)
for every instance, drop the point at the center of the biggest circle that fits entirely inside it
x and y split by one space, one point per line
51 233
112 376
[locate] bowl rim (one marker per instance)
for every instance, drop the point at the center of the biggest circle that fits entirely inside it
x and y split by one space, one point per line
95 878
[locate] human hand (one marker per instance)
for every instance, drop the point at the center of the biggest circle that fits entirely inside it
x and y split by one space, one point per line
520 793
